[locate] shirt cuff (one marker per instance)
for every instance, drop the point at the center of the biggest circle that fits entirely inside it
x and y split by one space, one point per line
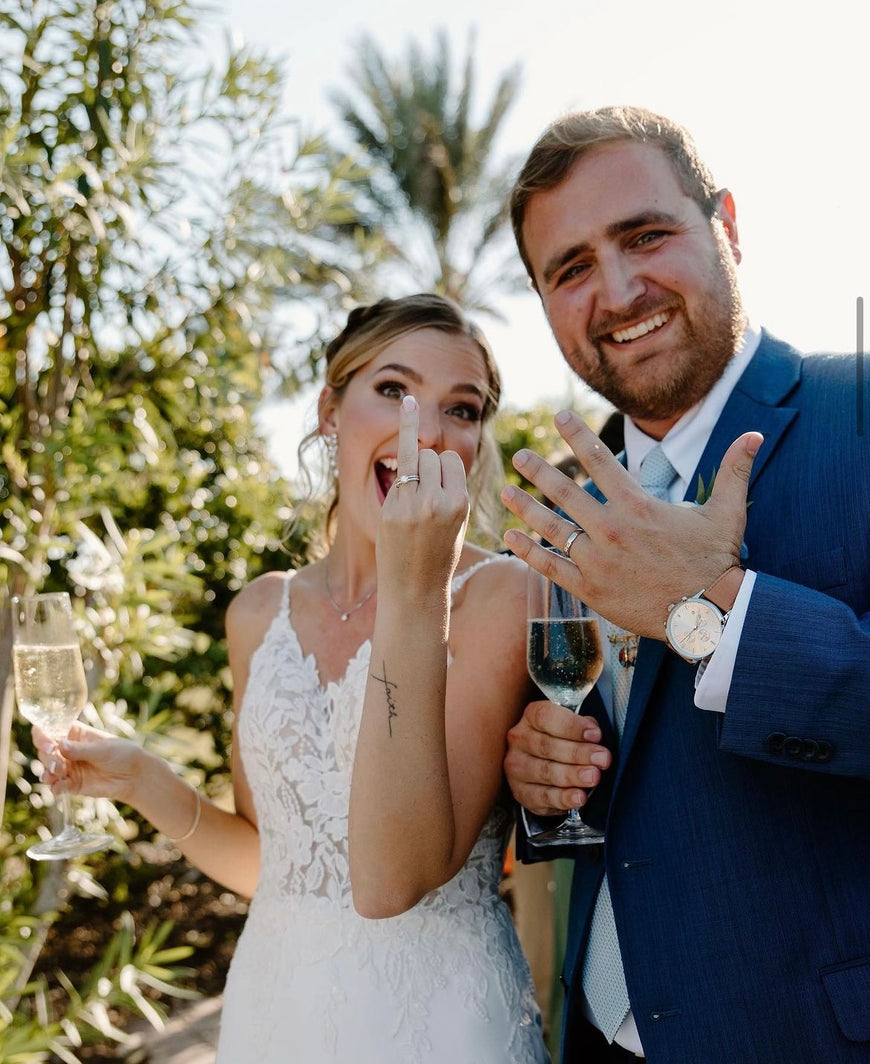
713 681
534 825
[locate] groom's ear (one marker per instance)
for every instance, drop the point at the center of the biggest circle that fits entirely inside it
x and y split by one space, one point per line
726 212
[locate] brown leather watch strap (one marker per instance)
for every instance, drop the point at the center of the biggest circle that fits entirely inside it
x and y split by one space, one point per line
723 591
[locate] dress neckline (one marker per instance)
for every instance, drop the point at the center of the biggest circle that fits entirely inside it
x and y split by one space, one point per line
310 659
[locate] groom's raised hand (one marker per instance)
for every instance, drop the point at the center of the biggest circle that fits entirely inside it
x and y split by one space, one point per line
637 554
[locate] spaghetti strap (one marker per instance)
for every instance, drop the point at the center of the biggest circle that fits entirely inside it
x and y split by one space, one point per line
459 581
285 592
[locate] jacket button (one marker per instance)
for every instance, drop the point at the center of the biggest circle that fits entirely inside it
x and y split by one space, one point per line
825 750
793 746
811 750
775 741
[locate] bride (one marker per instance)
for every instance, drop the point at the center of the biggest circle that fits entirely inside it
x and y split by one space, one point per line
373 690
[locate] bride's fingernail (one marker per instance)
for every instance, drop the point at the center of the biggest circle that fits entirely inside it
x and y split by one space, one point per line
52 765
409 403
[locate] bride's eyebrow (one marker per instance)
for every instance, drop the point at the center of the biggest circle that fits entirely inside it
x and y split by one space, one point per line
397 367
417 378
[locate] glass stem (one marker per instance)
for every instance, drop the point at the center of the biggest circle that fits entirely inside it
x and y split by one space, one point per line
574 814
66 810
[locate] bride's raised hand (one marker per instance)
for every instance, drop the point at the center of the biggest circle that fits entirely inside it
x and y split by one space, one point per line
425 513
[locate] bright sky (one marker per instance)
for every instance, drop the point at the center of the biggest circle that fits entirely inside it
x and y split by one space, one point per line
775 95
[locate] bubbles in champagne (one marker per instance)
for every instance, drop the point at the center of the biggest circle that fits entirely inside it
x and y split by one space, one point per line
50 685
565 658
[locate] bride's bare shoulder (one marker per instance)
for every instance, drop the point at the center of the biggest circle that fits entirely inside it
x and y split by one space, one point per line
494 577
500 564
255 605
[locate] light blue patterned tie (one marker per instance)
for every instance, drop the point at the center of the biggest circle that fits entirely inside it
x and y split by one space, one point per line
656 473
603 975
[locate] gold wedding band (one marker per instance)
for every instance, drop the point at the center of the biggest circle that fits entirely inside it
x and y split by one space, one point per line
407 478
569 542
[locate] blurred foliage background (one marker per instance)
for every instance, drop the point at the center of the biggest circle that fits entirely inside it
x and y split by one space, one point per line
175 249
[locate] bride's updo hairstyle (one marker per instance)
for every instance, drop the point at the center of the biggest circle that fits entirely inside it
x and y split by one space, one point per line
368 331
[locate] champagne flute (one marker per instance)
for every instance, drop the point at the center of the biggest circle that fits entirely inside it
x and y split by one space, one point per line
564 658
51 691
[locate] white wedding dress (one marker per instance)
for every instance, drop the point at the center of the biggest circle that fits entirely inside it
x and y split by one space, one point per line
311 981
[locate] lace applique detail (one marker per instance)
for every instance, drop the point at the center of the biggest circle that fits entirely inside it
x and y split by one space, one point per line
304 944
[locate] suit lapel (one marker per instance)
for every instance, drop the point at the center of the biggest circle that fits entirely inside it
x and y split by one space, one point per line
756 403
650 655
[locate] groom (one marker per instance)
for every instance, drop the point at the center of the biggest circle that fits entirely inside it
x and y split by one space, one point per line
726 919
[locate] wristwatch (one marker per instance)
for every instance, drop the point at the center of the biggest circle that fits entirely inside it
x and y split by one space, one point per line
695 624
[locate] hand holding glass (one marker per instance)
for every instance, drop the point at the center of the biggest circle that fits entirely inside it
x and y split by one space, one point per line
565 659
51 691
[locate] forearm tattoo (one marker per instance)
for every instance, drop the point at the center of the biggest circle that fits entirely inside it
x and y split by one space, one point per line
389 688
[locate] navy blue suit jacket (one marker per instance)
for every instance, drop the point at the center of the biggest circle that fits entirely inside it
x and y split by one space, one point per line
738 845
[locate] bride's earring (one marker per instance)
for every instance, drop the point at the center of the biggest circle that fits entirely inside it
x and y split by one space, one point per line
331 443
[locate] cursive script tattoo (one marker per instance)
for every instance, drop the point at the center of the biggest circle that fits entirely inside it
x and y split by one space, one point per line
389 687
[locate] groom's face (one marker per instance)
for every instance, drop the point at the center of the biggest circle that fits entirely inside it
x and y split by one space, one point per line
638 285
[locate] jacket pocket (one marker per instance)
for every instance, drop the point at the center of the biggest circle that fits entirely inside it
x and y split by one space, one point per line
848 988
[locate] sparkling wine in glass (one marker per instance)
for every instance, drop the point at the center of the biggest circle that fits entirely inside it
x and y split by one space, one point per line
565 658
51 691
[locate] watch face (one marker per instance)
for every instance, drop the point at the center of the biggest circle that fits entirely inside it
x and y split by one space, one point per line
694 628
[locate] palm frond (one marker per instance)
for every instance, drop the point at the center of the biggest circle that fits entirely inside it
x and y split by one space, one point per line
412 120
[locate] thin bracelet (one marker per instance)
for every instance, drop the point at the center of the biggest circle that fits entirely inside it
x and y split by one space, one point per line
196 816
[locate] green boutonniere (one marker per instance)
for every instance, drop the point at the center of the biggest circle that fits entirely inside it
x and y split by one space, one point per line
703 494
704 490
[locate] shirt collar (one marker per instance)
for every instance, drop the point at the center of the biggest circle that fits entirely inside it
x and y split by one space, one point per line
685 442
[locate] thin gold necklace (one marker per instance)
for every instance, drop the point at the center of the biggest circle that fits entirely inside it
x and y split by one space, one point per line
344 614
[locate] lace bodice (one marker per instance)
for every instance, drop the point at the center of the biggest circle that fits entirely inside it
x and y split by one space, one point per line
297 740
300 736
